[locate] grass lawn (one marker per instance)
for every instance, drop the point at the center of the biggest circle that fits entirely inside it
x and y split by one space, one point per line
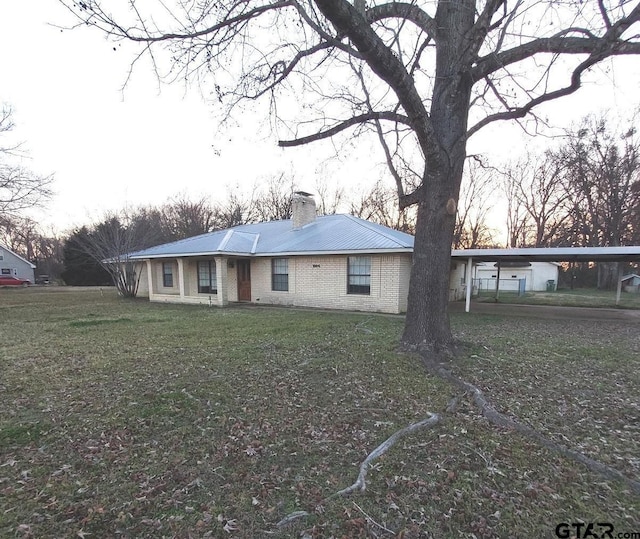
580 297
130 419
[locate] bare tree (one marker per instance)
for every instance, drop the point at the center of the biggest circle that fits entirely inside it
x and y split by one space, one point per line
272 202
235 210
20 189
380 205
420 77
603 175
112 242
603 185
537 200
182 217
517 219
26 237
472 230
545 199
329 200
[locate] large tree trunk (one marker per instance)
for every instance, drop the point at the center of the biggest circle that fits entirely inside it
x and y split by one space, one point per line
427 323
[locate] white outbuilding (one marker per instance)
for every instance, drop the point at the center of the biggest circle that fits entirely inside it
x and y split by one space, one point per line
531 276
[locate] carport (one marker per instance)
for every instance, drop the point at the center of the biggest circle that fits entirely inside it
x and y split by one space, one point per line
545 254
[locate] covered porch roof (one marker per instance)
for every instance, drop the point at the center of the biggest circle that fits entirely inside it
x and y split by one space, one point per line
551 254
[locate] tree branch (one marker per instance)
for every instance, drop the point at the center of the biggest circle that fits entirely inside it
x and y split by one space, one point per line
108 24
607 45
404 200
521 112
384 63
356 120
403 10
482 25
281 70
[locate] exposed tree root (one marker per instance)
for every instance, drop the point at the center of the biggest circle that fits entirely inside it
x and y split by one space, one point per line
489 412
292 517
360 483
501 420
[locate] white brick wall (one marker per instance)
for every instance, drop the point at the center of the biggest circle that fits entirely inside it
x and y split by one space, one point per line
319 281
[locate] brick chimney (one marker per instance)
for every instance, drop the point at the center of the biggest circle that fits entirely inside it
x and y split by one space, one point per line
303 209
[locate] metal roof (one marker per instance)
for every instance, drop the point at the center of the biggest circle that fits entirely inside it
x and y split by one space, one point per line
327 234
552 254
342 234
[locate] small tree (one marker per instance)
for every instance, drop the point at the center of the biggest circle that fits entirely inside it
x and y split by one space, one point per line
111 243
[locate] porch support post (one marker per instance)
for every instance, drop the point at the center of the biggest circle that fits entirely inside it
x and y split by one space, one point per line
150 278
221 281
619 288
469 282
181 277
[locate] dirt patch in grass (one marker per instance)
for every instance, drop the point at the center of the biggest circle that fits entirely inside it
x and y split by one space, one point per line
187 421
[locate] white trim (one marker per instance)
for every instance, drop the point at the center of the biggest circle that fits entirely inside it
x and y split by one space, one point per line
255 244
225 240
282 254
550 254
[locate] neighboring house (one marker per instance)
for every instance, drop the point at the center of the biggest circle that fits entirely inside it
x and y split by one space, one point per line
631 283
14 265
537 275
332 261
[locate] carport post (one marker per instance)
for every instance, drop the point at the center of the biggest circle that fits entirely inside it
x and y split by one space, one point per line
619 289
467 303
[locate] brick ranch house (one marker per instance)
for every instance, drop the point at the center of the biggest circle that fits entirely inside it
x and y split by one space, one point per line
332 261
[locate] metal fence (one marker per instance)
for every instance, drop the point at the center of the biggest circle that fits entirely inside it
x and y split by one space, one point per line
487 286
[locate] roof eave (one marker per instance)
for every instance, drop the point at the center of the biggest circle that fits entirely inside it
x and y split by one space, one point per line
276 254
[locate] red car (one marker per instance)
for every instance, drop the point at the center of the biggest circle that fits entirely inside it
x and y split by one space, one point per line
8 280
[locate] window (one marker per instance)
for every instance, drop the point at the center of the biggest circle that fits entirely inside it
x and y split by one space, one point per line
167 274
359 275
6 271
207 277
280 274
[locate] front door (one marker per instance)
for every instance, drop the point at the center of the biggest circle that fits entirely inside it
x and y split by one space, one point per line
244 280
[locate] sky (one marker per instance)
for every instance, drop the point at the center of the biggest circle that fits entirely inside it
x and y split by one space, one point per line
111 148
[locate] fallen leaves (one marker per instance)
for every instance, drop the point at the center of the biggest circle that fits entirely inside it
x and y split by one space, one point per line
220 423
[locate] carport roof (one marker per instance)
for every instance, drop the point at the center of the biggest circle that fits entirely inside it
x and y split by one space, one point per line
551 254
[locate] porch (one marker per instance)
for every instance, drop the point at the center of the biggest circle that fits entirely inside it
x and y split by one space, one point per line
215 280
